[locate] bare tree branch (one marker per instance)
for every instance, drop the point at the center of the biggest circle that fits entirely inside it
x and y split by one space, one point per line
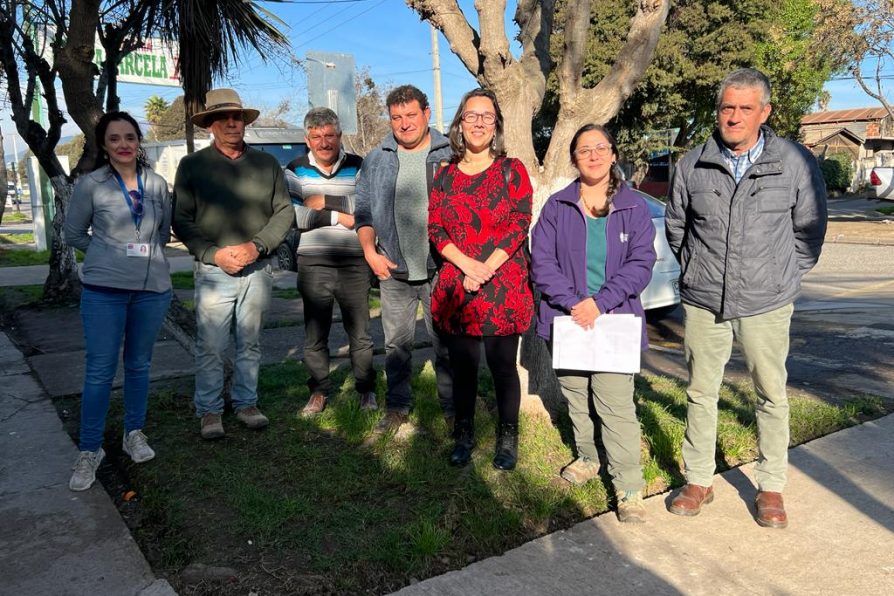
448 17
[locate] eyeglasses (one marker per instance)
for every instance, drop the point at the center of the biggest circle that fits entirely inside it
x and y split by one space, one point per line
489 118
136 201
602 149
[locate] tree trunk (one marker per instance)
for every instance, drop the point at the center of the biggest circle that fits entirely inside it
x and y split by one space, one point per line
62 284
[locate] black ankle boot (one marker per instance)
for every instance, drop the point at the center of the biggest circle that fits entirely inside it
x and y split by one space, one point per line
507 447
464 437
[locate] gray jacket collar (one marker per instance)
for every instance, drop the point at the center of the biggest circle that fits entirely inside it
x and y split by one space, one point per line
770 159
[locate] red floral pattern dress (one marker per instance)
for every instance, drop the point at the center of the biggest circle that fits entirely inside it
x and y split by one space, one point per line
479 215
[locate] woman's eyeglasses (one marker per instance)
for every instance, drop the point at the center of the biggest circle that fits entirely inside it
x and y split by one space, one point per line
601 150
136 201
472 117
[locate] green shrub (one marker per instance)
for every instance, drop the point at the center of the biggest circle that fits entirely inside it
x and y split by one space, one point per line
838 170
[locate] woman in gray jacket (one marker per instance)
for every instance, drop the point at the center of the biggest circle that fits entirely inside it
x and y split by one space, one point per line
126 284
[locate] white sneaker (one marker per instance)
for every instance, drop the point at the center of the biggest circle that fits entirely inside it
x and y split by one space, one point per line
135 445
85 469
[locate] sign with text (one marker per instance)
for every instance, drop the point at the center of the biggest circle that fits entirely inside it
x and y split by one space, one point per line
155 63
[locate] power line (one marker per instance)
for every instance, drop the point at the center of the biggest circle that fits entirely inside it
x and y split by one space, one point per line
359 14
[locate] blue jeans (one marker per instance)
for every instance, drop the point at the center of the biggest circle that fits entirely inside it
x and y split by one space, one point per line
224 304
107 316
400 300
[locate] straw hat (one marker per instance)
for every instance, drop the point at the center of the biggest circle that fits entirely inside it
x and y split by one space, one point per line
223 100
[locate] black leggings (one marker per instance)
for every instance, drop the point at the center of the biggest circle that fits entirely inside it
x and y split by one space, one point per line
500 352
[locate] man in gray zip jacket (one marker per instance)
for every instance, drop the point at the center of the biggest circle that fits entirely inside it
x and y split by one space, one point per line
391 219
746 219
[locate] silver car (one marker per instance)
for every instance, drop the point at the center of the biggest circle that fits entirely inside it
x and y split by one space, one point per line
663 292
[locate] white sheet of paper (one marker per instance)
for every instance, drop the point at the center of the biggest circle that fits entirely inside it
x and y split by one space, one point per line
612 345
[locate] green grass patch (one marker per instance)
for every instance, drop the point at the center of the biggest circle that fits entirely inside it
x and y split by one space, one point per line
16 217
886 210
183 280
23 257
321 498
286 293
12 297
17 239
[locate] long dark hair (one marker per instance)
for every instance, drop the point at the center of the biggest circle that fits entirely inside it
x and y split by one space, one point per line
102 158
455 132
614 174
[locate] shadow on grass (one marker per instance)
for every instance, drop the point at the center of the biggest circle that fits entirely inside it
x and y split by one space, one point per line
313 506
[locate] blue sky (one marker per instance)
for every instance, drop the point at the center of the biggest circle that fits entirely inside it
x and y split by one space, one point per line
383 35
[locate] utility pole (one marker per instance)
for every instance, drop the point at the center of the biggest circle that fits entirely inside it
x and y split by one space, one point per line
436 71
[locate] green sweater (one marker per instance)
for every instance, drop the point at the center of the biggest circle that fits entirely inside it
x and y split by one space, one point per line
221 202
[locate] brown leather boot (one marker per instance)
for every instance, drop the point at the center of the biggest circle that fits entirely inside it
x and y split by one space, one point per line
689 501
770 510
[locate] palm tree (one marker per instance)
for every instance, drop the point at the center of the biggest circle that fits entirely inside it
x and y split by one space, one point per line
210 35
155 107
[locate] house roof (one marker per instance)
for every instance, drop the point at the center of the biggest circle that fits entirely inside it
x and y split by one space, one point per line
852 115
845 132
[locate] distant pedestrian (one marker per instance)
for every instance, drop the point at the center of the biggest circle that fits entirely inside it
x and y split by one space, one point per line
231 209
126 285
592 253
331 267
391 219
746 219
478 221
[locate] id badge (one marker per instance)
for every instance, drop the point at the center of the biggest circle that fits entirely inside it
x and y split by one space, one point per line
138 249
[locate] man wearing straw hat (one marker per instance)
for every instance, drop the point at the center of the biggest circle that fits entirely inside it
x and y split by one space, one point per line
231 210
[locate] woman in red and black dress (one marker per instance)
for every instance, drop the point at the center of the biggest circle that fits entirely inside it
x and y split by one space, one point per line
479 216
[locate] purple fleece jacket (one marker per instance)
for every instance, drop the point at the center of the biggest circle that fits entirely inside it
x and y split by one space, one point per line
559 256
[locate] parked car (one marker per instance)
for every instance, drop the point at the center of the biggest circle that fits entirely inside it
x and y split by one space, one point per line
663 293
882 180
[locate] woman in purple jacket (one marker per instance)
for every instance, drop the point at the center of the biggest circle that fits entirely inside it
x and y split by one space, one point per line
592 253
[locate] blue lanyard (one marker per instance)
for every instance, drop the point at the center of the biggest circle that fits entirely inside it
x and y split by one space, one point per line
137 219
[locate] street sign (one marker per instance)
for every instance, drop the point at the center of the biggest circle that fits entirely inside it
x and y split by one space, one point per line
330 83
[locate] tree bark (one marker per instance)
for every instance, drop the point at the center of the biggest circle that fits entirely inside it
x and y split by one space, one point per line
74 62
520 84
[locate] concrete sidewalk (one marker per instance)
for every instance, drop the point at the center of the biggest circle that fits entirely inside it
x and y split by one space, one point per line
55 542
840 538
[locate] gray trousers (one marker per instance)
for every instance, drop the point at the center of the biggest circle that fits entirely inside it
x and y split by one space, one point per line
708 344
400 301
611 395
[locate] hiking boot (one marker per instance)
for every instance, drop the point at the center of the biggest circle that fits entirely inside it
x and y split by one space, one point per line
135 445
212 426
464 436
394 423
689 501
368 402
631 509
580 471
252 417
506 455
314 406
770 510
85 469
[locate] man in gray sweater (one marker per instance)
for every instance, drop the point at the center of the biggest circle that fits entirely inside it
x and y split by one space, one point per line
231 209
746 219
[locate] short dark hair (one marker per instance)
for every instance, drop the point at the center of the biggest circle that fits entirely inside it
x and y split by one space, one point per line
455 132
102 158
406 94
614 175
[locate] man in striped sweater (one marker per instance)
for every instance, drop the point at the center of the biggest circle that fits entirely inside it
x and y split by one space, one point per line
331 266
